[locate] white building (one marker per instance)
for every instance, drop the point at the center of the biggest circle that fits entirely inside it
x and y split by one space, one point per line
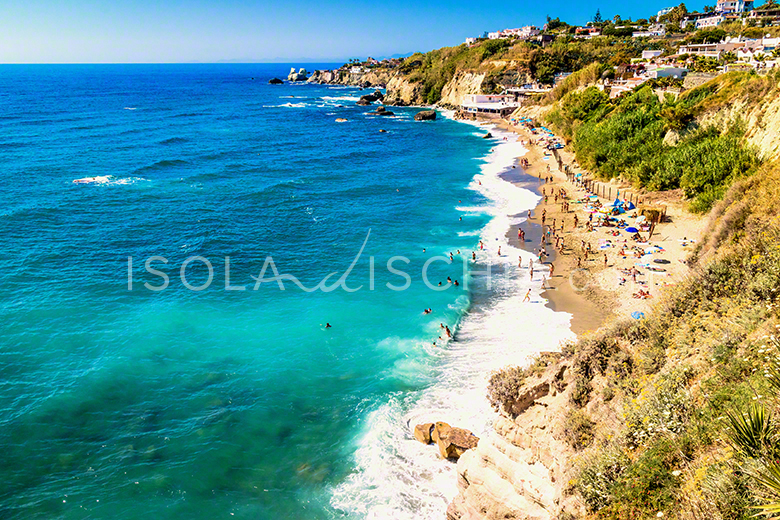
649 55
494 35
734 6
471 41
489 105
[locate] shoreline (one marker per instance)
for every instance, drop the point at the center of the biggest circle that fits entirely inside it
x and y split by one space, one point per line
586 315
609 292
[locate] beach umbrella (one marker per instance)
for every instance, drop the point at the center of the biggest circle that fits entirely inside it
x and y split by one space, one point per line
630 205
632 229
640 218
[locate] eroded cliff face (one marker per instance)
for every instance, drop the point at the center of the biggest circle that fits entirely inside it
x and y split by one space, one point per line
370 78
520 471
462 83
402 92
761 120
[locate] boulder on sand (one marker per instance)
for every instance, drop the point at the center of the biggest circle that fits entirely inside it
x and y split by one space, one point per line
275 81
422 432
425 115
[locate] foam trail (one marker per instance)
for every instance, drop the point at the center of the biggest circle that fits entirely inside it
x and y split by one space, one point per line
398 477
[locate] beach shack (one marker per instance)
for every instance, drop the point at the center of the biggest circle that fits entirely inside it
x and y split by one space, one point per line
489 106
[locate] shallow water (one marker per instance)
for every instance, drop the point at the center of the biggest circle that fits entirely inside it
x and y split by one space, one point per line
177 403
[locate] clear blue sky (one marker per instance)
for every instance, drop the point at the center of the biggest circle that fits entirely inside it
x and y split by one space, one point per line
154 31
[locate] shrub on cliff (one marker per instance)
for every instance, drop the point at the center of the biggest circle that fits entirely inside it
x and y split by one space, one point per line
504 387
578 429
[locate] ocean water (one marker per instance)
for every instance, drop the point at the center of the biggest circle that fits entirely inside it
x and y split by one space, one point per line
121 401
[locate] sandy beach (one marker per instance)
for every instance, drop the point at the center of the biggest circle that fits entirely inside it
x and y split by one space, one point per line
583 284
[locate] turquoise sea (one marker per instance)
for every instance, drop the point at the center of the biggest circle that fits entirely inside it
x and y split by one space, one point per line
119 401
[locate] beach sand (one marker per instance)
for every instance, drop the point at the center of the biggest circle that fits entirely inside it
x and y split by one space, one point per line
595 292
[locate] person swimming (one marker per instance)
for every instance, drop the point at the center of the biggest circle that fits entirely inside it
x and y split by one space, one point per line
328 326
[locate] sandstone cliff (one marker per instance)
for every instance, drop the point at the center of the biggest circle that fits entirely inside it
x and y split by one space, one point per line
521 470
370 78
461 84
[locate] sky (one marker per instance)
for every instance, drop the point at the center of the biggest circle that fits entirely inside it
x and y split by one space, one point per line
209 31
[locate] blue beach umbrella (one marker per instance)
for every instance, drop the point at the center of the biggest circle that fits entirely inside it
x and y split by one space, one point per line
632 229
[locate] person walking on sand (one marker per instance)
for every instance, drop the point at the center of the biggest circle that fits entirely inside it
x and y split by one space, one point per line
605 259
552 269
527 296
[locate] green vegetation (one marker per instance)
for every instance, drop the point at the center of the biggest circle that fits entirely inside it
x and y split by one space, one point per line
626 137
695 385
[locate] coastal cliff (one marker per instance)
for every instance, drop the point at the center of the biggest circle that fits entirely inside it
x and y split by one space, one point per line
461 84
641 425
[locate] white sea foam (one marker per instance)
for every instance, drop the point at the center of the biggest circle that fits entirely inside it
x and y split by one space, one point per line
400 478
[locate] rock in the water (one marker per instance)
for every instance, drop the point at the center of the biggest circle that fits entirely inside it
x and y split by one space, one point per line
425 115
487 136
363 102
370 97
422 432
341 120
453 442
275 81
382 111
378 95
301 75
382 131
438 429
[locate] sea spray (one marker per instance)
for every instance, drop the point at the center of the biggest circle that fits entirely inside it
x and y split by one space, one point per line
399 477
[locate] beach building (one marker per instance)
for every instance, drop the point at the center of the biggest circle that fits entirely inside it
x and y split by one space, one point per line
489 105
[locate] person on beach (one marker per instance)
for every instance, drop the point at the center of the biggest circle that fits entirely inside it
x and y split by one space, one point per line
605 259
474 256
499 250
552 269
481 245
527 296
520 261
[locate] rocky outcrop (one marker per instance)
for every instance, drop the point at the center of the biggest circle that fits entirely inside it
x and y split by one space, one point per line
367 99
382 111
275 81
462 83
422 432
402 92
451 442
367 78
487 136
425 115
301 75
521 469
